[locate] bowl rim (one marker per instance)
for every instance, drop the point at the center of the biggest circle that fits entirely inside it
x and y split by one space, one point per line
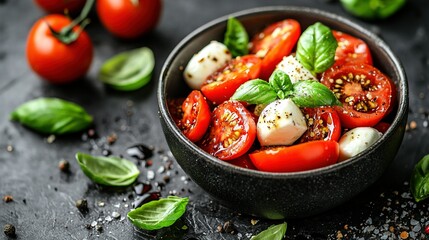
401 85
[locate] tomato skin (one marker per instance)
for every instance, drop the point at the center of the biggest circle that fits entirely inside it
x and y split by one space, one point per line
243 161
358 109
221 85
196 116
323 124
382 127
53 60
273 46
231 133
125 20
300 157
58 6
351 50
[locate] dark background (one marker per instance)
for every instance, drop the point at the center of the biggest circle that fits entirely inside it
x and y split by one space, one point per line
44 197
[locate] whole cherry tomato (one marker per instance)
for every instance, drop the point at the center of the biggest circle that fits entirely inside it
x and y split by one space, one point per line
59 6
299 157
365 92
54 60
221 85
275 42
231 133
129 18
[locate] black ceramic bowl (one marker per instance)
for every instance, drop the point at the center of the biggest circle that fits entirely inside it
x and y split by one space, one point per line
280 195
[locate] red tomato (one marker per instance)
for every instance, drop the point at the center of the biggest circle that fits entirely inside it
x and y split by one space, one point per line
243 161
300 157
58 6
53 60
351 49
126 19
196 116
382 127
175 109
275 42
365 92
221 85
323 124
231 133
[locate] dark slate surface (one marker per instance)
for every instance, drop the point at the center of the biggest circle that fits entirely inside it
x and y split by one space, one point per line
44 197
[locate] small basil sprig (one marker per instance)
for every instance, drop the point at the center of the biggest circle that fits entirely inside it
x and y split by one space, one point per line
109 171
275 232
372 9
316 48
52 116
304 93
158 214
236 38
128 70
419 183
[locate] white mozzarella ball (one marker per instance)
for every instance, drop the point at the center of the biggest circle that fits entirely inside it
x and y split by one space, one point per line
296 71
356 140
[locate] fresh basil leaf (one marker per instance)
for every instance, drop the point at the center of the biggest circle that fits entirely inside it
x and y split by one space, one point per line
52 116
129 70
275 232
316 48
310 93
236 38
281 83
255 91
372 9
109 171
158 214
419 183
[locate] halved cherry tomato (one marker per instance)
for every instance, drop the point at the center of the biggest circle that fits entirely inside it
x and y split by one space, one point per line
196 116
243 161
366 93
129 19
382 127
275 42
323 124
58 6
231 133
221 85
54 60
300 157
351 50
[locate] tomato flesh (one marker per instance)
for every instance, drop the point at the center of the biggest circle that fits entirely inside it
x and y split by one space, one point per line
295 158
365 92
275 42
231 133
221 85
196 116
351 50
323 124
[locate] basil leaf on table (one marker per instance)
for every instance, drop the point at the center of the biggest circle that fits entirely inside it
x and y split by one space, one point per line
372 9
316 48
255 91
158 214
419 183
236 38
109 171
310 93
128 70
274 232
52 116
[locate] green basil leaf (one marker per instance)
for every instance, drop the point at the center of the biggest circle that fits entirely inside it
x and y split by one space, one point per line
109 171
316 48
310 93
372 9
129 70
255 91
158 214
52 116
281 83
236 38
275 232
419 183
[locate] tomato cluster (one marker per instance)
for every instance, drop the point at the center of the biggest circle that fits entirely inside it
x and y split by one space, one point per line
228 129
60 51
